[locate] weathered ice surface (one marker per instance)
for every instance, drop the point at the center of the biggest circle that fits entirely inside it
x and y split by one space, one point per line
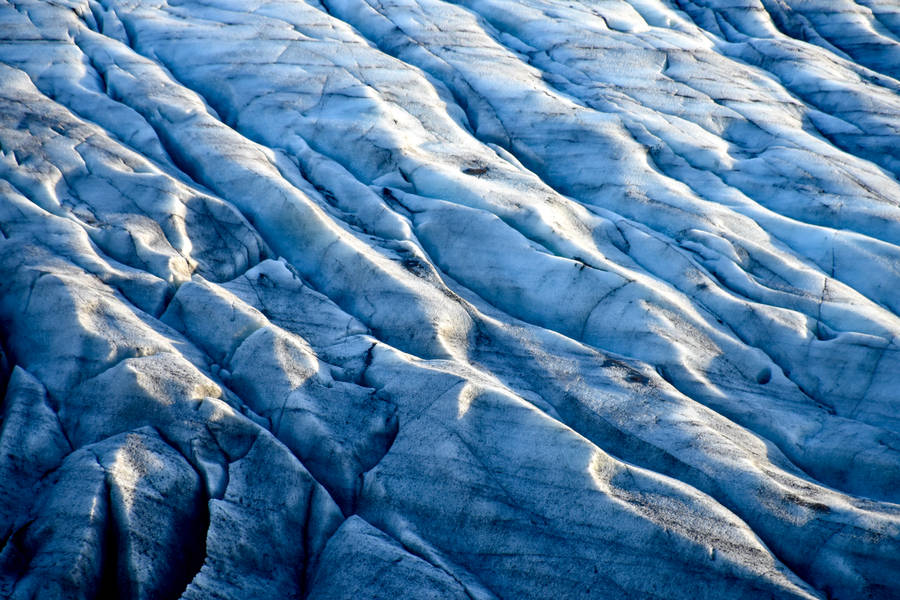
485 299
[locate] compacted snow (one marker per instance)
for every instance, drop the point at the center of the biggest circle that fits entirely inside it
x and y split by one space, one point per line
424 299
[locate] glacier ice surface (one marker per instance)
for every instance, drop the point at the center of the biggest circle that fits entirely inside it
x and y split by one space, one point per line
481 299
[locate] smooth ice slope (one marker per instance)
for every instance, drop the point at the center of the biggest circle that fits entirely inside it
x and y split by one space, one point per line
425 299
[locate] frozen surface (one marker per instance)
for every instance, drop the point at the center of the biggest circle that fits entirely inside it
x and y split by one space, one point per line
485 299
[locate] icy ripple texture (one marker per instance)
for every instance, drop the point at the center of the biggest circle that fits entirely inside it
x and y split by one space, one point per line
423 299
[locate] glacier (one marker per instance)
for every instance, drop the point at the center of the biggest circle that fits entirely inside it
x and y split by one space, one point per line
481 299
